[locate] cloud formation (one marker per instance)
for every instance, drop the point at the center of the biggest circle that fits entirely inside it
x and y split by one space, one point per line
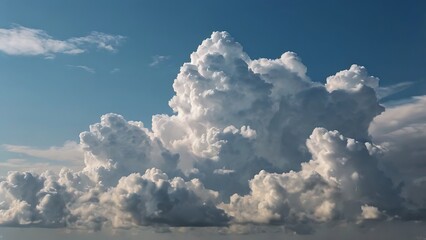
250 142
401 130
20 40
115 148
340 180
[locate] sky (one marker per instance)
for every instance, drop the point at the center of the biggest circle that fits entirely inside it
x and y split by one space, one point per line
297 115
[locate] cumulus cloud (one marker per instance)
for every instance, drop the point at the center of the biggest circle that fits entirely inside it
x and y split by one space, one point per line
342 177
155 199
250 142
20 40
369 212
115 148
352 79
279 102
49 200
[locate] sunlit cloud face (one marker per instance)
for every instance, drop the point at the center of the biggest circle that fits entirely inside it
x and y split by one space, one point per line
251 141
20 40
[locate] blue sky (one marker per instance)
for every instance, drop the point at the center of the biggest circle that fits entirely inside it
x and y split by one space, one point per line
124 56
52 102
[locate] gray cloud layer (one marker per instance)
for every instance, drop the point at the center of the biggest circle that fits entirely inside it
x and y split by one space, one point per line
251 142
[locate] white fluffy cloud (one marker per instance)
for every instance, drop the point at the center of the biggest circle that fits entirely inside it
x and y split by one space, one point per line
251 141
369 212
115 148
341 178
352 79
222 86
49 200
28 41
214 90
154 199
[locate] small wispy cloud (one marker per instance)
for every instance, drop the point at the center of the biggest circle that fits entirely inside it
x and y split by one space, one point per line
69 152
101 40
157 59
383 92
115 70
18 164
85 68
20 40
223 171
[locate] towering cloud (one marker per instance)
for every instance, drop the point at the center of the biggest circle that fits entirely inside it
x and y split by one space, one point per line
251 141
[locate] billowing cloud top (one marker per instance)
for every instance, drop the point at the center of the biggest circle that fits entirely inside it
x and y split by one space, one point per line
251 142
